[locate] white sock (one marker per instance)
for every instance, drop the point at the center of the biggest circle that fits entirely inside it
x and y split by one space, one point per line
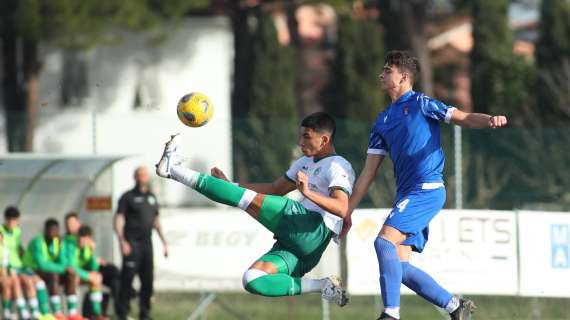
452 305
393 312
311 285
184 175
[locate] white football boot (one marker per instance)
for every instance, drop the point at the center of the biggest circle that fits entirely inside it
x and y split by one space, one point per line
333 291
169 157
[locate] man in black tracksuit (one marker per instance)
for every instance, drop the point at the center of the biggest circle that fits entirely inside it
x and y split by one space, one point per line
137 215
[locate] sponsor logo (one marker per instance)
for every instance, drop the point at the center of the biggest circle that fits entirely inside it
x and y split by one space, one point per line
560 246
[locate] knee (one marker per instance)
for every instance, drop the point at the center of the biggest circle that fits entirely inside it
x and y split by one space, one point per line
382 244
96 279
248 278
40 284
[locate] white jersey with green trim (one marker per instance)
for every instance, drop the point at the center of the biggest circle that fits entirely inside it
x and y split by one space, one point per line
325 174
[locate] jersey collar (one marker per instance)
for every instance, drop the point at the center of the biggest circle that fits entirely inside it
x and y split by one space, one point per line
315 160
406 96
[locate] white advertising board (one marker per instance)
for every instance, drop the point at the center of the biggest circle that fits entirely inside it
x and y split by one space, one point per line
544 239
211 248
469 251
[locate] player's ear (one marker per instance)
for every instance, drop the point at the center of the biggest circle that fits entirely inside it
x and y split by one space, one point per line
325 139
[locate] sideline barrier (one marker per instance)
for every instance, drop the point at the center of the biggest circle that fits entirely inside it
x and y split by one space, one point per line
483 252
210 249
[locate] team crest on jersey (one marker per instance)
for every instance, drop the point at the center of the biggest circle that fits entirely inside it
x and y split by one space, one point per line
317 171
406 110
151 200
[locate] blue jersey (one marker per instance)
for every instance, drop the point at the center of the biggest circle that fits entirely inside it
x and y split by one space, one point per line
408 130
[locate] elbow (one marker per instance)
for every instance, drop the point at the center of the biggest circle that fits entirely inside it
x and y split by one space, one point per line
343 211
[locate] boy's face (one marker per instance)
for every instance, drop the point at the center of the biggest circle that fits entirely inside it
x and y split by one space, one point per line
311 142
52 232
85 241
72 225
12 223
391 77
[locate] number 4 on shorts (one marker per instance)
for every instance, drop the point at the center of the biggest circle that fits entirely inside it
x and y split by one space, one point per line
402 205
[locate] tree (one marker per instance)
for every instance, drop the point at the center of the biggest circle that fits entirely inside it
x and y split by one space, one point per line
553 60
353 95
499 79
28 25
405 24
265 127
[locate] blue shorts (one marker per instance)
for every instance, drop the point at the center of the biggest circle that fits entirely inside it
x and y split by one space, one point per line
412 213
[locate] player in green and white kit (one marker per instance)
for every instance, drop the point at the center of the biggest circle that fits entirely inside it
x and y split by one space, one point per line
45 257
302 229
80 255
23 278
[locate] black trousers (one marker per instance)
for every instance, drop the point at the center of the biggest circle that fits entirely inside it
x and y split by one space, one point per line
140 262
111 279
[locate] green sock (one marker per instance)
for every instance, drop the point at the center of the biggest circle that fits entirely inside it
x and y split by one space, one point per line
275 285
55 304
95 298
225 192
42 297
72 304
219 190
7 308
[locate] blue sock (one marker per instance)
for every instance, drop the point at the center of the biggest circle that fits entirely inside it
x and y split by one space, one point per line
424 285
390 272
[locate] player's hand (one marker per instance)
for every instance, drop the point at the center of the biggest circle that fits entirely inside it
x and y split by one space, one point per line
302 182
346 225
165 249
216 172
125 248
497 121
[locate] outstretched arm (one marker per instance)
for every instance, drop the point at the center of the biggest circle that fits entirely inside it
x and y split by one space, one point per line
279 187
363 182
477 120
373 162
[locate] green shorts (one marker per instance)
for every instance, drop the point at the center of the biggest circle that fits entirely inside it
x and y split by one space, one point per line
25 271
301 236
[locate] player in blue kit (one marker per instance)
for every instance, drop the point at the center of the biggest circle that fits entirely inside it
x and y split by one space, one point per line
408 130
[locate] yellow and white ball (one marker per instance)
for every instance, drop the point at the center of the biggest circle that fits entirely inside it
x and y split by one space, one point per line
195 109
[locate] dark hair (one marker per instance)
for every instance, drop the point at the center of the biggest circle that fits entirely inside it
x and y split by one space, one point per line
50 222
70 215
11 212
320 121
404 61
85 231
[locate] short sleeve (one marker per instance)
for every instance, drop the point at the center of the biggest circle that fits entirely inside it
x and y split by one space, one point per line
291 173
435 109
376 144
341 176
122 207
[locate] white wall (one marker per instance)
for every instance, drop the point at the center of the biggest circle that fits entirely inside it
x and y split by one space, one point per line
197 55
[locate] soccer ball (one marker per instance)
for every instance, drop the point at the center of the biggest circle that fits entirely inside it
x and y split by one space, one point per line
195 109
